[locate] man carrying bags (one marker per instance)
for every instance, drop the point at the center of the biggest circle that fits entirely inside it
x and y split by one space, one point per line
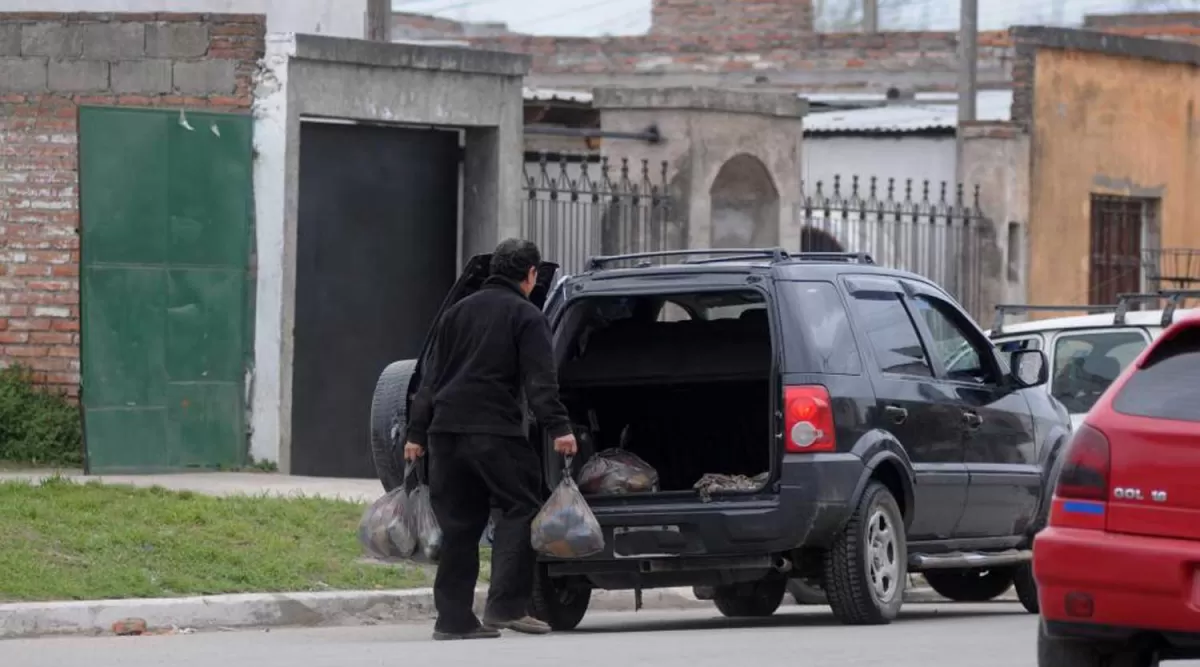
488 349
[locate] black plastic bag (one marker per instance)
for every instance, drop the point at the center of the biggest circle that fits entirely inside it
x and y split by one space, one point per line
617 471
401 525
566 526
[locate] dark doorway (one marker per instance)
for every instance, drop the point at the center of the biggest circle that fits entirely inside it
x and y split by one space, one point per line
377 246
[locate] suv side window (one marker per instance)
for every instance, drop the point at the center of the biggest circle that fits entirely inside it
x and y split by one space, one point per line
817 308
892 333
1086 363
960 358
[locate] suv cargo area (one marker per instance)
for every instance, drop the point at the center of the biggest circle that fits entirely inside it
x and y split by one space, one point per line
682 381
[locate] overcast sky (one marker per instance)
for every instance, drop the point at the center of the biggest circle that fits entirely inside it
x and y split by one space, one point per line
627 17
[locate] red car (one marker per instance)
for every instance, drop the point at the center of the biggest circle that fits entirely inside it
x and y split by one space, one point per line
1118 566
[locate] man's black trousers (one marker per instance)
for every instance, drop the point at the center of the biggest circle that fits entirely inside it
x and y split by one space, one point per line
467 473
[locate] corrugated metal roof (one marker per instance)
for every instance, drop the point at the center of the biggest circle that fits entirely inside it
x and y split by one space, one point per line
917 116
548 95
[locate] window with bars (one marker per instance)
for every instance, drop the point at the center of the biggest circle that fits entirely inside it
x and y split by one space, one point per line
1118 228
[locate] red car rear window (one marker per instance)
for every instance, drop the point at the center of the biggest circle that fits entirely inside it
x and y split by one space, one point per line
1168 385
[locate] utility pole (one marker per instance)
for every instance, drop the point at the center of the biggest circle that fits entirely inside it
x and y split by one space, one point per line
379 20
870 16
968 38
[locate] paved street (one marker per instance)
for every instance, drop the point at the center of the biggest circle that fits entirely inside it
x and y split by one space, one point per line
999 635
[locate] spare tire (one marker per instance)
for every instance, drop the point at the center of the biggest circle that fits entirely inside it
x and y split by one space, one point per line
389 417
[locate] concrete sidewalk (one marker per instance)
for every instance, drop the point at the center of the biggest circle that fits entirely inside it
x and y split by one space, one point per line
224 483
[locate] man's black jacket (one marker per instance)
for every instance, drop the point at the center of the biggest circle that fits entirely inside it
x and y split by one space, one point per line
487 348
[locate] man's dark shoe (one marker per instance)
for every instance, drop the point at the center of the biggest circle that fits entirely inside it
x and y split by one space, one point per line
482 632
526 625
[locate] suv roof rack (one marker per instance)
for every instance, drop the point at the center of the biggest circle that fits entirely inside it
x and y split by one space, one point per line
774 254
712 255
1174 298
1003 309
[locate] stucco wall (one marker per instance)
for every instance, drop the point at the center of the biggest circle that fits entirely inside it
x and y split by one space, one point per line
996 158
338 18
702 130
901 157
1107 124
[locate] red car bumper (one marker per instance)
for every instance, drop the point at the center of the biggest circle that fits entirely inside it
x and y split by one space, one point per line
1135 585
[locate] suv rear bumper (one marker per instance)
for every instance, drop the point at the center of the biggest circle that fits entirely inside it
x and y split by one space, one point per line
731 532
1137 585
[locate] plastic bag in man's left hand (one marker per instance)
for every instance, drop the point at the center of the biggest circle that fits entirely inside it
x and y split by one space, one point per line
424 525
384 531
566 526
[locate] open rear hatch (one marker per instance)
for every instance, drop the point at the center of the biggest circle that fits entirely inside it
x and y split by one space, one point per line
682 381
1155 443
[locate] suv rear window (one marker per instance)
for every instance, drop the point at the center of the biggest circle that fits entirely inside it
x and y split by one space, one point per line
1167 386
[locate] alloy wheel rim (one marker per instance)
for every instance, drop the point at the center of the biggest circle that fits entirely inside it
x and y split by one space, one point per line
883 561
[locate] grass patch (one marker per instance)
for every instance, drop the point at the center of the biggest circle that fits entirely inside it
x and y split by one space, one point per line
67 541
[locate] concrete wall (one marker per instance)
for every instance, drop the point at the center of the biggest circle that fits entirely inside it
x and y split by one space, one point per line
340 18
49 65
901 157
312 76
996 158
703 129
1115 124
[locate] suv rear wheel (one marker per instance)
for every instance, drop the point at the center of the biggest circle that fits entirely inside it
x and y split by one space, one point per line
971 585
867 566
1058 652
762 598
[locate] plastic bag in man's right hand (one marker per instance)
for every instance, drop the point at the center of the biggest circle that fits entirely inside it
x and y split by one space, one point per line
566 526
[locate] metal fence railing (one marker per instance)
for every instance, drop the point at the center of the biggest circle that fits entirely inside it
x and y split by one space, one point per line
575 208
934 230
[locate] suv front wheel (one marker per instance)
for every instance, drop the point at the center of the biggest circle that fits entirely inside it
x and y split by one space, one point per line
867 565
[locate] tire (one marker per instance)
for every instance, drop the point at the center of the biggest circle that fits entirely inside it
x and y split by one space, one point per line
804 591
1026 586
867 566
559 607
971 585
760 600
1058 652
389 416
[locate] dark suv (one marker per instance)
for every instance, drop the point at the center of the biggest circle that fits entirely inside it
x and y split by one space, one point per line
811 417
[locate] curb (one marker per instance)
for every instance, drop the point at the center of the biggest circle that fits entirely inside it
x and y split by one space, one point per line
271 610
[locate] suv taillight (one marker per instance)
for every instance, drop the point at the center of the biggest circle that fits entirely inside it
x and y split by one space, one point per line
808 420
1084 474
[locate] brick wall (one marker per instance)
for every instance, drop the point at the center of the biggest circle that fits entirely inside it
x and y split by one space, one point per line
49 64
698 17
423 26
765 52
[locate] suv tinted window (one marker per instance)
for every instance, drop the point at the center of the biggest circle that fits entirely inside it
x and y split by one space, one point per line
817 308
892 333
1166 387
1086 364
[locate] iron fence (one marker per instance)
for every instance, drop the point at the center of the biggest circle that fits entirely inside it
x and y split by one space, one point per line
934 230
577 207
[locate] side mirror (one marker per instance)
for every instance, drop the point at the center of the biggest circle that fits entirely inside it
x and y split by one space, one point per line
1029 368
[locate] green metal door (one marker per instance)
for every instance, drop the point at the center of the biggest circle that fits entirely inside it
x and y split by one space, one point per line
165 201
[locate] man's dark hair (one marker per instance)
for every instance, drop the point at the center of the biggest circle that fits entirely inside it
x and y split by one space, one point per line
514 257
